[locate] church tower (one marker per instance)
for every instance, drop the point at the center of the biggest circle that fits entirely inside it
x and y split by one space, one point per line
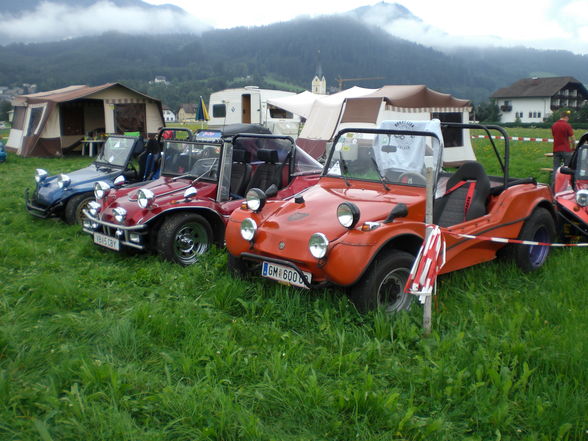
319 82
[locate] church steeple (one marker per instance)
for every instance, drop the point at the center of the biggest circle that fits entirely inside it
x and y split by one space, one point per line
319 83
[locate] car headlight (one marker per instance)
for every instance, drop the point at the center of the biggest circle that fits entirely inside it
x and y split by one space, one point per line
348 214
582 198
63 181
318 244
101 189
190 192
120 214
40 175
119 181
94 208
248 229
145 197
255 199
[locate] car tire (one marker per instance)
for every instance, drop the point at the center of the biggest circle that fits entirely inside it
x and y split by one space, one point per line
183 238
74 207
388 271
539 227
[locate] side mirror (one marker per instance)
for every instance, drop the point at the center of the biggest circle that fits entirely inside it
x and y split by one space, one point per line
271 191
400 210
565 170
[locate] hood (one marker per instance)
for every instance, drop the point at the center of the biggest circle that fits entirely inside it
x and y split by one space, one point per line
168 195
318 212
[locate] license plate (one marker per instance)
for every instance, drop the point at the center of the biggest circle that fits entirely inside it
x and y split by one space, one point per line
284 274
107 241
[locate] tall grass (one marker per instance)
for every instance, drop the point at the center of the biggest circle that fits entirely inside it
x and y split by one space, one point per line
100 346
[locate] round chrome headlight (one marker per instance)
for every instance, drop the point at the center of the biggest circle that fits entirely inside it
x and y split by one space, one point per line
101 189
119 181
145 197
255 199
248 229
94 208
582 198
63 180
348 214
318 244
40 175
120 214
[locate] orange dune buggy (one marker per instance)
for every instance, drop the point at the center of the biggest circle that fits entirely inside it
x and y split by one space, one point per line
363 224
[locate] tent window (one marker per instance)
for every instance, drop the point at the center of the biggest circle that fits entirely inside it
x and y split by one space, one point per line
219 110
276 112
452 137
19 117
129 118
34 120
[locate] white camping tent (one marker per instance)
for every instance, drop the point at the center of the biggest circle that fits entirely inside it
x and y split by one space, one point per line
45 123
369 107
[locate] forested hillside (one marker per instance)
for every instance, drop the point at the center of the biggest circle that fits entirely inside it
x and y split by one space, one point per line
282 55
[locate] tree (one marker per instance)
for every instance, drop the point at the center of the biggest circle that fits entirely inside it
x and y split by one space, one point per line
488 112
5 107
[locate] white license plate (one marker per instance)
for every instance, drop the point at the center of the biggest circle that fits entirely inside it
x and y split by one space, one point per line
107 241
284 274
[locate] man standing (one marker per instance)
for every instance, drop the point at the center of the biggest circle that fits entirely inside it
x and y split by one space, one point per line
563 141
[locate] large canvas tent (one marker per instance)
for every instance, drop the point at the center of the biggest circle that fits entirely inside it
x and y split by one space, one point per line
46 123
358 107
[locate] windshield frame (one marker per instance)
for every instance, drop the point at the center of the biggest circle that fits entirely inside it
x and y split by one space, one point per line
188 170
331 159
101 159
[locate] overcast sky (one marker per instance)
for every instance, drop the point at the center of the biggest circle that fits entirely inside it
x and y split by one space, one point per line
542 24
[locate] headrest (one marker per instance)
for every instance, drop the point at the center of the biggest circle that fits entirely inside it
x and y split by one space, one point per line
267 155
241 156
469 170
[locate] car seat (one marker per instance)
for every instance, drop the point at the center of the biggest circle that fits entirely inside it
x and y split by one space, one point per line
465 198
267 173
240 172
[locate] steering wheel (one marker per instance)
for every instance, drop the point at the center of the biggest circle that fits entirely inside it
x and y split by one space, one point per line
412 178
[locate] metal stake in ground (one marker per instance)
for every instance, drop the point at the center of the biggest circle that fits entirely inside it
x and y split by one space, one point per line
428 231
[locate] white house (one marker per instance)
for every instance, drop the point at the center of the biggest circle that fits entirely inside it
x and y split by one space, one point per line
168 115
534 99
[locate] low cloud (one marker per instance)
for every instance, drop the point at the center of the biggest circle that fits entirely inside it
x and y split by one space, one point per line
544 32
52 21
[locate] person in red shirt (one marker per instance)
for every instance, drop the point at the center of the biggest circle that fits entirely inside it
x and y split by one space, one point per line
563 141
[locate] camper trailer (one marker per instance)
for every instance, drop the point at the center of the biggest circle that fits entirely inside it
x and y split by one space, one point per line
248 105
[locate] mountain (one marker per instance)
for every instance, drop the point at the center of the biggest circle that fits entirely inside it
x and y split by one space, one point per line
282 55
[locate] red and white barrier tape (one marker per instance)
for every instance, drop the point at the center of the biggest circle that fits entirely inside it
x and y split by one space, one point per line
431 258
515 138
427 264
521 242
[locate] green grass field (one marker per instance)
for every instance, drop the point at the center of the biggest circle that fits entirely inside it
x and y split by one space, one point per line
100 346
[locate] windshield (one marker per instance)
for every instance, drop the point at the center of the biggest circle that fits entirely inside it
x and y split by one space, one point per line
116 151
397 156
191 159
304 163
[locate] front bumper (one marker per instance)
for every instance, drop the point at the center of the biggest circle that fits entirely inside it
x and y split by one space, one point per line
134 236
41 211
293 266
